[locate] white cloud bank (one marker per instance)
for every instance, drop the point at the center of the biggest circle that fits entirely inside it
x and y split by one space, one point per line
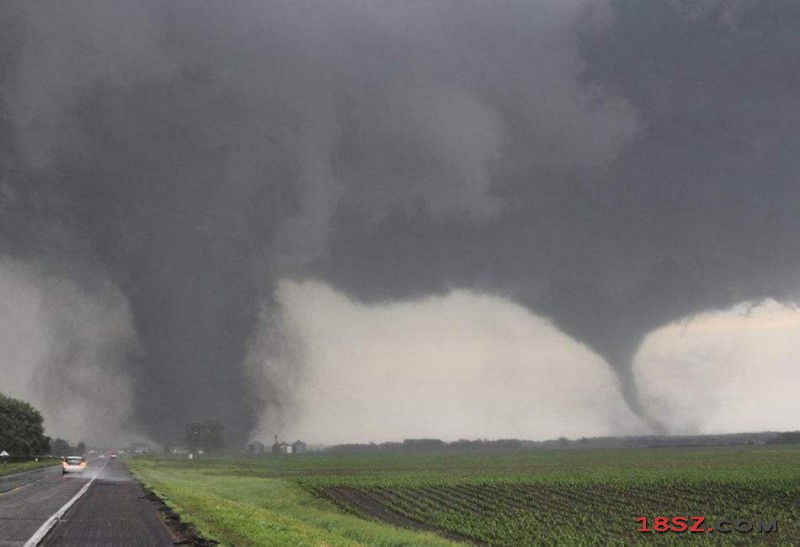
476 366
730 371
460 366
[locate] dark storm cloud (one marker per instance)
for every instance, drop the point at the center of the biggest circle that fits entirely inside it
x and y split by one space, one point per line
614 166
698 210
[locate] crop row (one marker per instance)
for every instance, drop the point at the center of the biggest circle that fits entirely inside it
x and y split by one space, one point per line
513 514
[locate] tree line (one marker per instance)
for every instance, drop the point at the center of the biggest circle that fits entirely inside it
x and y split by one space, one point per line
21 429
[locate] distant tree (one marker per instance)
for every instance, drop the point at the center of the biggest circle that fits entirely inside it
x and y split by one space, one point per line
787 437
81 448
60 447
21 429
422 444
206 436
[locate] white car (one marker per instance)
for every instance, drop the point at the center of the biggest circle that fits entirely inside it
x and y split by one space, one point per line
73 464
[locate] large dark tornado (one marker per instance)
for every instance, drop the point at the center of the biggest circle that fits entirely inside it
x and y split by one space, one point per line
614 166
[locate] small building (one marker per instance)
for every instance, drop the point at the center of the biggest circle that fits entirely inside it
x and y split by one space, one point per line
280 447
255 447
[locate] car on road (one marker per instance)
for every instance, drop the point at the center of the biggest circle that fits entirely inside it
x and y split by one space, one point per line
73 464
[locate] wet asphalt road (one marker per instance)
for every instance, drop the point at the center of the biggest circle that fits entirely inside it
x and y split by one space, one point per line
25 508
113 511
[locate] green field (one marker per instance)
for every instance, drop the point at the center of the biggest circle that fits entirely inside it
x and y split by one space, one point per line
521 498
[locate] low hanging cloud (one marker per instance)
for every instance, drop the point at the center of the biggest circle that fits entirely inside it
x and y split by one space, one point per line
612 166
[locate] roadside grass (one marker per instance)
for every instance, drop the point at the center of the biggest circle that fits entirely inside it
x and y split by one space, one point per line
20 467
246 510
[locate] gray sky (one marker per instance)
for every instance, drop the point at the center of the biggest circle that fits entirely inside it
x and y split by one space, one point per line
610 168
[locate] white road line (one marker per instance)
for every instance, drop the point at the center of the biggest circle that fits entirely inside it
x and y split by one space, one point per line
52 521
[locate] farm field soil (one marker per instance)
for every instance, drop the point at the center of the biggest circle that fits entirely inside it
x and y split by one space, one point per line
505 498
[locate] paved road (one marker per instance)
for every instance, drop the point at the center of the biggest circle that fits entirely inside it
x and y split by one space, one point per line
113 511
15 480
25 508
